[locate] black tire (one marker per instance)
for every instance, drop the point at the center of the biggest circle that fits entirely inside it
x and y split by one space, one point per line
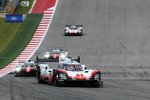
101 84
38 76
37 59
65 34
56 82
78 59
17 74
97 84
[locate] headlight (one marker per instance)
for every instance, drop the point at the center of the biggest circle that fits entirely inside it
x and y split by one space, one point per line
62 76
18 69
79 31
67 31
97 76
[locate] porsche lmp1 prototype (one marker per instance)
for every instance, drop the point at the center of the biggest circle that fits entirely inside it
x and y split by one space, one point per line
68 72
25 68
53 54
73 30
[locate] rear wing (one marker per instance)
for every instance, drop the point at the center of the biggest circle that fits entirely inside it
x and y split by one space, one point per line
63 59
38 60
75 25
50 49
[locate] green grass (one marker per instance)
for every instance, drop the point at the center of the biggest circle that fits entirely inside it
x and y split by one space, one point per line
20 40
7 32
23 10
15 36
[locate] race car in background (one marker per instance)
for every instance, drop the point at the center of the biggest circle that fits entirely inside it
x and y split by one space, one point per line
52 55
75 30
69 71
25 68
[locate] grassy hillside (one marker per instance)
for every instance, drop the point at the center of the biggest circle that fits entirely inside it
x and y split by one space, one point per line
20 40
7 32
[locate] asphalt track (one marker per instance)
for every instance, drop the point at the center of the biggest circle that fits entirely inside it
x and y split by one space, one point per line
116 40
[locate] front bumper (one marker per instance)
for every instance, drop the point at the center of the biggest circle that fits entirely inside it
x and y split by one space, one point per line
71 82
73 34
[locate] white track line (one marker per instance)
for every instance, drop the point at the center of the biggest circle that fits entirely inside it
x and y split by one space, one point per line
32 6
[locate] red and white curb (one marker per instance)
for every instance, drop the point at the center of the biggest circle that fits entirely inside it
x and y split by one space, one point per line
35 42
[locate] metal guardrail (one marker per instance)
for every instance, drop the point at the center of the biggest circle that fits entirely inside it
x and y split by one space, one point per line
13 6
15 3
10 6
3 4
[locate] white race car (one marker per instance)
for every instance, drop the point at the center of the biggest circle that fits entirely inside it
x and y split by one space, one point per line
73 30
53 54
69 72
25 68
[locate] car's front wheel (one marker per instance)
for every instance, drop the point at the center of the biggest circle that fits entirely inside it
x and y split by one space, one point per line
38 77
56 82
65 33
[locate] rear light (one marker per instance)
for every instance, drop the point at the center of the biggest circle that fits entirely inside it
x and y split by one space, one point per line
28 69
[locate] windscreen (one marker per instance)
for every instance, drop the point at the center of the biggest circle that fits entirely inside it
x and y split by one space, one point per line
73 68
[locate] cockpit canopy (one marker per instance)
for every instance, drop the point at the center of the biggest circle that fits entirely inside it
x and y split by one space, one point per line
31 64
73 27
55 52
72 67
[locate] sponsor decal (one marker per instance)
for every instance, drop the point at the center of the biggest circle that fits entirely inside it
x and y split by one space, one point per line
13 18
80 77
